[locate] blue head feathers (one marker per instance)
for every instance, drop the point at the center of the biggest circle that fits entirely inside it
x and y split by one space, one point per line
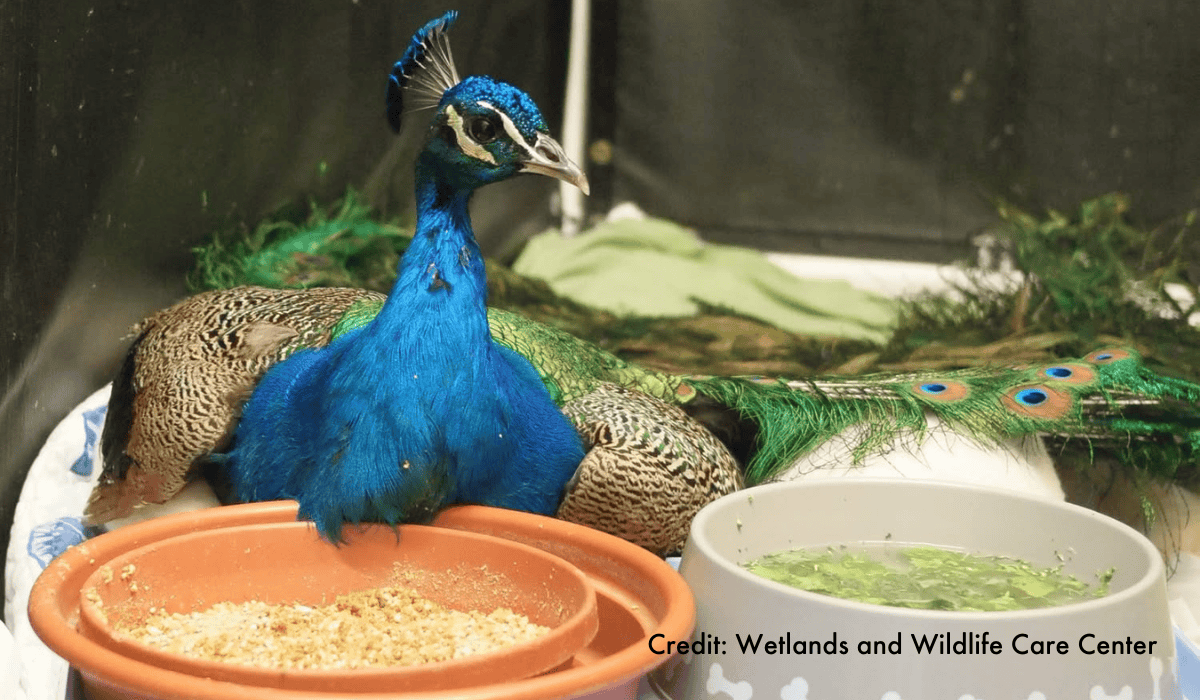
484 130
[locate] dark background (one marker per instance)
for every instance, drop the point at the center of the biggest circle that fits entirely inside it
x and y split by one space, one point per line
130 130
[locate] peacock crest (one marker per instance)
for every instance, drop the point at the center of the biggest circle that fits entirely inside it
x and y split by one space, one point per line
427 69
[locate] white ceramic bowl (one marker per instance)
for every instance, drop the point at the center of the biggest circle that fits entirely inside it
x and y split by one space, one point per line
734 605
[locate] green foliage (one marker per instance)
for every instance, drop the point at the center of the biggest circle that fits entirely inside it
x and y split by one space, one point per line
1081 263
1088 280
299 247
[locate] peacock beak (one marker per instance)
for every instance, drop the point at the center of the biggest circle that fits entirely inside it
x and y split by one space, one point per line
549 158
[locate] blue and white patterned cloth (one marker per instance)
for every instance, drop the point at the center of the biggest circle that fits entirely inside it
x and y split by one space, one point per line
47 522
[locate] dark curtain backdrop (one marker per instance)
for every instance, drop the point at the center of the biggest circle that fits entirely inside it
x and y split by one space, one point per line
130 130
882 129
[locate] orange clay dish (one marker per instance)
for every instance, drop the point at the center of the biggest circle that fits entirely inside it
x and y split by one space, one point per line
637 596
417 608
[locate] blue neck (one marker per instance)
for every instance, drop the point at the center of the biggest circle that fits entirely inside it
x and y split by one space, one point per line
441 280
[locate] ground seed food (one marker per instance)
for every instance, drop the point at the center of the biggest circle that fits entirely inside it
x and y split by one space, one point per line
386 626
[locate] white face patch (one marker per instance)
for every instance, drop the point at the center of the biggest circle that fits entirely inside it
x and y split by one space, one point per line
466 143
510 128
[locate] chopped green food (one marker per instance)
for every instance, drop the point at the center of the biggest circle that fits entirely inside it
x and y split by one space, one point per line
926 577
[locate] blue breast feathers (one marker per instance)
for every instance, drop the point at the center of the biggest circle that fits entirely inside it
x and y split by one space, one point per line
363 431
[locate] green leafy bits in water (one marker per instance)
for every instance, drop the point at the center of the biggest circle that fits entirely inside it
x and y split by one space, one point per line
928 578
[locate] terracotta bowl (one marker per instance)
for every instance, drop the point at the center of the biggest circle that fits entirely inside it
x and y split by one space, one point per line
774 641
634 593
287 562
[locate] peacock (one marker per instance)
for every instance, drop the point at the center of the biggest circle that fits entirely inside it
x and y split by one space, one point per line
366 407
392 419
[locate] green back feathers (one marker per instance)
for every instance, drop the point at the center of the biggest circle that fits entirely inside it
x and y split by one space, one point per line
569 367
1151 422
358 315
572 368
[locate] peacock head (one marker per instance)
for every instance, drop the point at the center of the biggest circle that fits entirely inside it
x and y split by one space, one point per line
483 130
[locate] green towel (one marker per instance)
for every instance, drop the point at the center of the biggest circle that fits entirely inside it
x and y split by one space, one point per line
652 267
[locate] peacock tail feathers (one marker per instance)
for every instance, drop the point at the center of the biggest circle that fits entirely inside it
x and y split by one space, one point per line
1109 397
1054 312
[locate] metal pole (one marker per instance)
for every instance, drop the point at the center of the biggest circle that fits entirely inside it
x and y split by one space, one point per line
574 138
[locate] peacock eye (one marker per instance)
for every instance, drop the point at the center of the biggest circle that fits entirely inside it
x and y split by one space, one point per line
481 130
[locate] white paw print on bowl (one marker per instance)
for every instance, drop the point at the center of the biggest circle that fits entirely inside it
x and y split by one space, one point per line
718 683
797 689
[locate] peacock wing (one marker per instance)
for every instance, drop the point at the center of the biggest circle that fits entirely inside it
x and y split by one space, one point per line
648 470
649 466
178 394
